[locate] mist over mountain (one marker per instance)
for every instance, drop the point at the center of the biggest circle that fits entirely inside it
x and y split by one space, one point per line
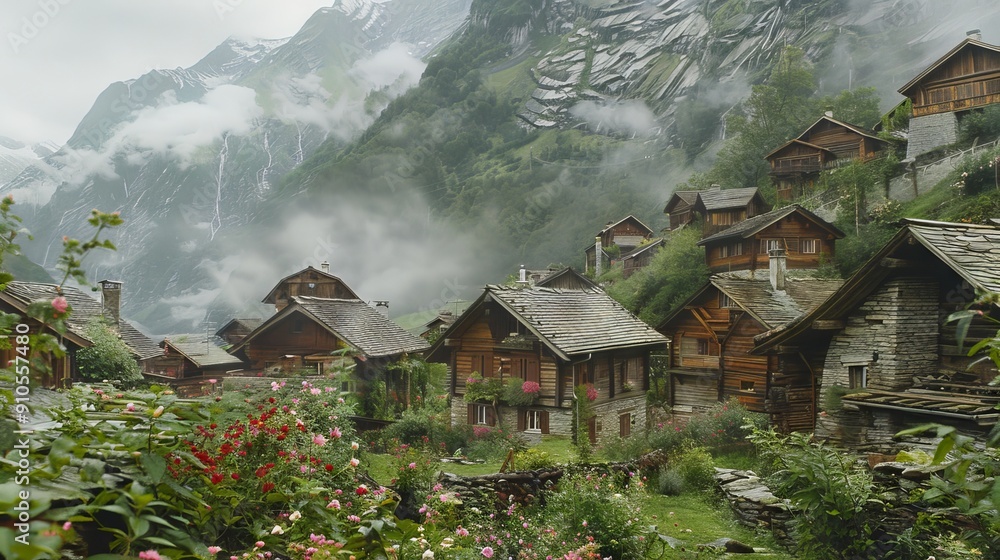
426 148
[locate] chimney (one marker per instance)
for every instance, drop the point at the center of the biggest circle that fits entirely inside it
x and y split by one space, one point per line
382 307
598 254
111 301
974 34
325 267
522 276
778 265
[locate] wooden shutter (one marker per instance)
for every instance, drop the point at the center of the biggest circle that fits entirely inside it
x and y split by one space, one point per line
522 420
533 372
491 416
472 414
545 421
625 424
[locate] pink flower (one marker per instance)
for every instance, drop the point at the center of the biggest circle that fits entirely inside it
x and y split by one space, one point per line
67 526
259 544
334 504
335 432
462 532
213 382
319 440
130 407
355 462
412 465
214 549
149 555
60 305
488 552
530 387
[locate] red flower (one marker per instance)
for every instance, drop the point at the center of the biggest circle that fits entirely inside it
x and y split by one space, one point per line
268 486
236 476
217 478
362 490
328 467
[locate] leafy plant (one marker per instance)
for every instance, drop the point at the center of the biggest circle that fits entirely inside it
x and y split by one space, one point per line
109 359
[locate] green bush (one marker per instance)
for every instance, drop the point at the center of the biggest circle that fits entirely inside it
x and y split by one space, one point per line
109 359
670 481
604 506
697 468
532 459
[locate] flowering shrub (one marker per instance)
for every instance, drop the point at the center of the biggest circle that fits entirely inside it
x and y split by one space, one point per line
480 389
518 393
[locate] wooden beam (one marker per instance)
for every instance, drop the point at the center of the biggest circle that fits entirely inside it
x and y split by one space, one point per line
704 323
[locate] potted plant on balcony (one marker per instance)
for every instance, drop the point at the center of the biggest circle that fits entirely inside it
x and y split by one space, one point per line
518 393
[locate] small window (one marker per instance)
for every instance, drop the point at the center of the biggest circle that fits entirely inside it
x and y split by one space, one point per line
726 302
746 386
297 325
534 421
480 414
857 377
702 347
810 246
767 245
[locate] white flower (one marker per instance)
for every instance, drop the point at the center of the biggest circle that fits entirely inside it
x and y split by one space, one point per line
428 554
277 530
295 516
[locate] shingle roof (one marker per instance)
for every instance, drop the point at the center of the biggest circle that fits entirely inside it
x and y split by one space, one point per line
653 243
361 326
796 141
687 197
248 324
85 309
720 199
572 322
751 226
972 251
625 219
771 307
273 294
849 126
201 350
966 42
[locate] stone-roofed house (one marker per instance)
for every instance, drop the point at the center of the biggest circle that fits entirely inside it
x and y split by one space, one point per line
807 240
19 295
714 331
625 234
559 339
965 78
721 208
309 282
640 257
880 347
317 334
796 165
680 208
188 361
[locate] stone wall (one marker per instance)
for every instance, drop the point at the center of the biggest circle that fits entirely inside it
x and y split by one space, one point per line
930 132
754 505
894 333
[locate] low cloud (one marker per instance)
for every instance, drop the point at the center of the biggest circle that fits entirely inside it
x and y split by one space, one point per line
631 117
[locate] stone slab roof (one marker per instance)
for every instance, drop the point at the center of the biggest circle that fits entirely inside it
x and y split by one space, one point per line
84 310
721 199
751 226
773 307
201 350
973 251
360 325
573 322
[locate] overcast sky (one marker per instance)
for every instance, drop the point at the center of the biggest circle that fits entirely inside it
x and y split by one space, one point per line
58 55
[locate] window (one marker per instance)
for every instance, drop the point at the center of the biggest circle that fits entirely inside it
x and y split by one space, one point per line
857 377
694 346
810 246
746 386
297 325
525 368
767 245
481 414
534 421
702 347
731 250
726 302
483 363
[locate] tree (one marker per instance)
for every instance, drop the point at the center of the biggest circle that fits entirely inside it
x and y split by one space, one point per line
109 358
775 111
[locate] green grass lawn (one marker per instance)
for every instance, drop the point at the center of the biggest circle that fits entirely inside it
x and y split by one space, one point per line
694 518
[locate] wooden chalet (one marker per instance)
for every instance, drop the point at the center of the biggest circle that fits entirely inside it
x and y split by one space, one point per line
319 334
84 309
639 258
189 361
806 239
796 165
560 339
309 282
880 347
721 208
626 234
680 208
966 77
714 331
237 329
